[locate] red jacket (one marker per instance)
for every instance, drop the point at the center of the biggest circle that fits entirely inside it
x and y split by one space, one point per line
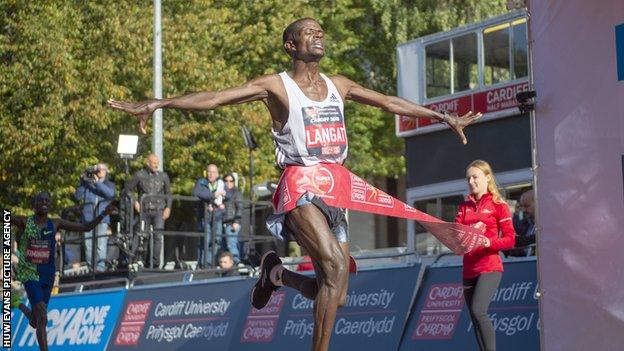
498 228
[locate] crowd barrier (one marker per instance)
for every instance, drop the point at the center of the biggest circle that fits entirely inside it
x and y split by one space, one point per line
216 314
440 321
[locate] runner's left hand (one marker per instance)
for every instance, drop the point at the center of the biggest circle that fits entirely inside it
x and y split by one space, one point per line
457 124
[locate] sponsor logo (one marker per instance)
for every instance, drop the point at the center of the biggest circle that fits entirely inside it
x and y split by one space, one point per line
310 112
440 313
286 194
363 192
409 208
132 323
81 326
333 98
323 180
262 324
317 180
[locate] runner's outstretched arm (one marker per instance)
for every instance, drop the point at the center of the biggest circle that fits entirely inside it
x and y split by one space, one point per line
254 90
80 227
355 92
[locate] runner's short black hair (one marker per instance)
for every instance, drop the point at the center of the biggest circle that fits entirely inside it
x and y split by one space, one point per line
40 195
292 30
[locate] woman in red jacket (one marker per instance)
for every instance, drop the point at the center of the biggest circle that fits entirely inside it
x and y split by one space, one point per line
483 267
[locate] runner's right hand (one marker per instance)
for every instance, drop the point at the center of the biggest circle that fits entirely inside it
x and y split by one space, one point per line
142 110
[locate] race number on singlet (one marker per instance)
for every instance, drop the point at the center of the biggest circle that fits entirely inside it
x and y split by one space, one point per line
38 251
325 133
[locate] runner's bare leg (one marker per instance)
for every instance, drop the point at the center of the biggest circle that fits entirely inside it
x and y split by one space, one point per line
40 313
330 265
308 286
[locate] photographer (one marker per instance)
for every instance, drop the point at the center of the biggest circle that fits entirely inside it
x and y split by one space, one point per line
96 192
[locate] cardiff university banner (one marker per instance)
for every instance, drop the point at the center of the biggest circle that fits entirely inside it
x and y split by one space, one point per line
340 188
373 318
197 316
440 320
218 316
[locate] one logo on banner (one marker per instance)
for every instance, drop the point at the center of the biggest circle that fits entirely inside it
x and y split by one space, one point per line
73 326
409 208
363 192
323 180
407 123
499 99
132 323
317 180
262 324
440 313
286 198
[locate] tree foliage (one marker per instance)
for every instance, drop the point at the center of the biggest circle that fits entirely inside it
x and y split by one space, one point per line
61 61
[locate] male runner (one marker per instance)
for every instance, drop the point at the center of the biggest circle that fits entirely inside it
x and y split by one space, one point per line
307 112
35 252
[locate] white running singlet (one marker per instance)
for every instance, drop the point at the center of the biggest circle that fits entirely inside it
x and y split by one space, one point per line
315 131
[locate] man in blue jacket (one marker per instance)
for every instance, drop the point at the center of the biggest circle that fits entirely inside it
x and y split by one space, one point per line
95 192
210 191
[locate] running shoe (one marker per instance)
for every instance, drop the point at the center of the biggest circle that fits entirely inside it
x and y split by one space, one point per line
262 290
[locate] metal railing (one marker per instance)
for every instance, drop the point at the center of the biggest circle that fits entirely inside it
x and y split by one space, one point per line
210 241
99 284
126 231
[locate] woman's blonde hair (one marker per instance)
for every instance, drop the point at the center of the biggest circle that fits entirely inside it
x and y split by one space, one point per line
491 187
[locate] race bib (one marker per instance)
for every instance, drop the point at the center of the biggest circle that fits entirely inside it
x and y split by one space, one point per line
325 133
38 251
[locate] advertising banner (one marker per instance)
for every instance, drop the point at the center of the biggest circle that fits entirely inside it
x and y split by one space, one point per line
488 101
197 316
441 321
372 319
75 322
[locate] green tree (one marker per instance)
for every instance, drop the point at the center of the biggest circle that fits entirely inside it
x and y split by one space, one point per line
61 61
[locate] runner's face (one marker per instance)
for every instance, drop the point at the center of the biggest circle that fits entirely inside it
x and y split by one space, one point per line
477 181
311 42
42 205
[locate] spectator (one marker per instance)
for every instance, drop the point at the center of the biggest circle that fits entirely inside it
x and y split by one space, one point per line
231 218
226 264
210 191
524 224
155 208
96 192
483 267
